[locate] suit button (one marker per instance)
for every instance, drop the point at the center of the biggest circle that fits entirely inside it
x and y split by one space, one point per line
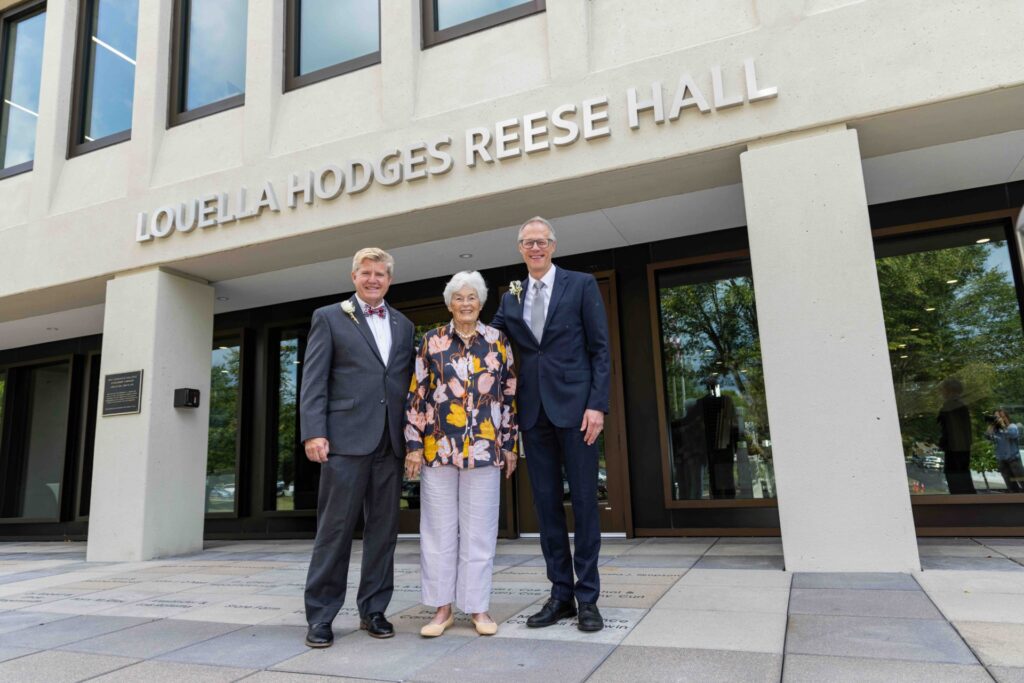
382 400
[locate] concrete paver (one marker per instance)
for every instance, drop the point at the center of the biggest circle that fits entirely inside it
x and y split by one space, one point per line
678 609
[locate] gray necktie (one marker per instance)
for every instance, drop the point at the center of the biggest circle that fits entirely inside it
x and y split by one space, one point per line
537 312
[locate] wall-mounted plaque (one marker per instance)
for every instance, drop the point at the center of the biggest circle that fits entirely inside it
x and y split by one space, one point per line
122 393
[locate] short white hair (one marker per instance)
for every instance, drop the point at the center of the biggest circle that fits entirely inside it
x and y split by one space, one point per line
467 278
542 221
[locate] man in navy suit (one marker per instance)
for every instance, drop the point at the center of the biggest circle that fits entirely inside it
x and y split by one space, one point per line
556 319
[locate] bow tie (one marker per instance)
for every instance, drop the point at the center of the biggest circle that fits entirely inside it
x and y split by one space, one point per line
370 310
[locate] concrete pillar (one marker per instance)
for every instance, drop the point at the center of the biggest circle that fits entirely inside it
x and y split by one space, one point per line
149 469
842 484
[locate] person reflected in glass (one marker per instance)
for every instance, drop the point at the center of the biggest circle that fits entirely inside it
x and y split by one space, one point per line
460 432
1006 436
955 436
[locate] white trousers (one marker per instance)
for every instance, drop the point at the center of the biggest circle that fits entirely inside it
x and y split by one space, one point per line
458 535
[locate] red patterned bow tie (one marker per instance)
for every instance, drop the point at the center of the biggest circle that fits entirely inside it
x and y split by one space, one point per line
370 310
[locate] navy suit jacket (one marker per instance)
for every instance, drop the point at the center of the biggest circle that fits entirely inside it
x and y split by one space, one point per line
568 371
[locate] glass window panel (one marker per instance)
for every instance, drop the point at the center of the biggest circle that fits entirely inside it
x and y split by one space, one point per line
3 396
46 440
335 31
450 13
956 348
110 79
719 441
23 65
222 453
216 51
287 446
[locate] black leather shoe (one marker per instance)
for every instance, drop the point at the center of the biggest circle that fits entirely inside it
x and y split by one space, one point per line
319 635
551 612
376 625
589 618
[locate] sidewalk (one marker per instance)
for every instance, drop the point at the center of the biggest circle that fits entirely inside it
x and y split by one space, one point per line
675 610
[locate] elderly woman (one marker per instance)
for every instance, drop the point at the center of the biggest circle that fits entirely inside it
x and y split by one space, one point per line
461 430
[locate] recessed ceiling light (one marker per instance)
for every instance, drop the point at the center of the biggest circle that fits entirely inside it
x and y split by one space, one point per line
224 348
465 256
222 298
983 240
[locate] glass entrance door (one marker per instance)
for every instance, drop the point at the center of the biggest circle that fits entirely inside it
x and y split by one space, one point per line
611 473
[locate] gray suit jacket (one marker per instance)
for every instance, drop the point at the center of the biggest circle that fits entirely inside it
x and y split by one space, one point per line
346 388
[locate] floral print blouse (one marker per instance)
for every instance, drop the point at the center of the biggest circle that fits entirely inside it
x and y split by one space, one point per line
461 405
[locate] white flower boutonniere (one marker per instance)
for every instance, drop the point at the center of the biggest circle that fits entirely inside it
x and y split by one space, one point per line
349 308
516 287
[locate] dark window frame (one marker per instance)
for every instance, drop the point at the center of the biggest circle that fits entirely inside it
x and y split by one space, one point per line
653 270
292 29
76 123
244 416
432 37
954 225
16 13
179 68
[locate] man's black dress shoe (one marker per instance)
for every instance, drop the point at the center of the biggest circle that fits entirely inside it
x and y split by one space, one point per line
376 625
551 612
319 635
589 618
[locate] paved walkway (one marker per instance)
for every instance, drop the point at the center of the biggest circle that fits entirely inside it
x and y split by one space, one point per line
675 609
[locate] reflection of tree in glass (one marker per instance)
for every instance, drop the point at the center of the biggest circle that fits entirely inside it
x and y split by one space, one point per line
973 334
710 329
286 415
223 434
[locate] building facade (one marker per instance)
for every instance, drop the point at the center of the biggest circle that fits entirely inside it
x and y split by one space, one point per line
803 216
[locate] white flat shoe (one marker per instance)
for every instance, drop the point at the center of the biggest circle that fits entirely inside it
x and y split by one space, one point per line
435 630
485 629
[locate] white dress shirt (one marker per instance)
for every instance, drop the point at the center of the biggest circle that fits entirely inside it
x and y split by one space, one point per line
549 286
379 327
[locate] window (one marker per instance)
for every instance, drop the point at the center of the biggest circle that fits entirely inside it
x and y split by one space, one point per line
292 480
105 74
21 67
208 59
716 416
326 38
956 346
448 19
225 411
32 456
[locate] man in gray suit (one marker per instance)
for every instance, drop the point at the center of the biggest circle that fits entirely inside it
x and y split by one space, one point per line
355 379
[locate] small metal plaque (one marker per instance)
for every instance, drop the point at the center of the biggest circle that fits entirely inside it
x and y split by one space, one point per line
122 393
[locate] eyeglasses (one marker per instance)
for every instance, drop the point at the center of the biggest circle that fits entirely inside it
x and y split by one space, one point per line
530 244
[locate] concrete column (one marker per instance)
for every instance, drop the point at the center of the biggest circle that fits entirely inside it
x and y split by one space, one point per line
149 469
842 483
399 60
152 83
568 39
264 76
54 104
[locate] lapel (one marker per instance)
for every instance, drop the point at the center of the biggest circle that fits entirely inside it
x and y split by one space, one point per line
393 319
364 329
517 308
561 282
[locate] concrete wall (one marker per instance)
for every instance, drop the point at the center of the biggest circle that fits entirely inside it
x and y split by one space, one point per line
81 212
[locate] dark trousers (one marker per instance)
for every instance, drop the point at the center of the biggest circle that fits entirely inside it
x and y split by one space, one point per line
1013 474
548 449
958 472
350 485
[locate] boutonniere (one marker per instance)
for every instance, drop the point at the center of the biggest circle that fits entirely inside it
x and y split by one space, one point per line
349 308
516 287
